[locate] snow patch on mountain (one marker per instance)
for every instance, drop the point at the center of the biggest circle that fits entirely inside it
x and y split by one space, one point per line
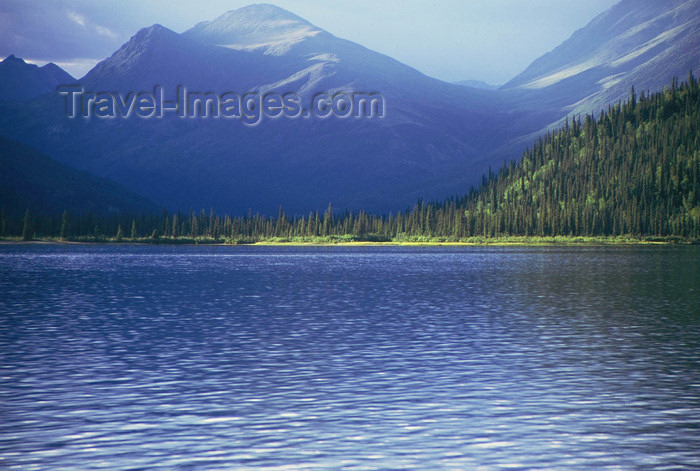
658 40
325 57
563 74
303 82
611 80
274 45
255 27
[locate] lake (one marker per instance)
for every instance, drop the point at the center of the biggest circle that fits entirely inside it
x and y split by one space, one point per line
162 357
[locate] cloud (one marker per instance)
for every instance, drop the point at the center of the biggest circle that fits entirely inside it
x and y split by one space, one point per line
75 34
105 32
76 17
61 31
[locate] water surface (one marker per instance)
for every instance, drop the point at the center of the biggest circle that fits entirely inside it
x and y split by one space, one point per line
129 357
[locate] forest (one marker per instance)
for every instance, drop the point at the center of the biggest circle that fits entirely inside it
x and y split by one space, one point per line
631 172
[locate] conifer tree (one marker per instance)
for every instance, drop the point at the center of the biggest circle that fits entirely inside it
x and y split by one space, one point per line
65 225
3 222
27 226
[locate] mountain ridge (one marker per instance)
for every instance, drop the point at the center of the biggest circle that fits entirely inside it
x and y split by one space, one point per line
635 43
22 81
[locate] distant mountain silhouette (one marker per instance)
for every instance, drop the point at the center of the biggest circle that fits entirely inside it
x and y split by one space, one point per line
477 84
22 81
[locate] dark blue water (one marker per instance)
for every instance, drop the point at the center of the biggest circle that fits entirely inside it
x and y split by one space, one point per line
134 357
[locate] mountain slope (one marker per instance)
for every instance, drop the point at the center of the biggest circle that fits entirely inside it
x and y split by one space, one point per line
634 170
22 81
640 43
29 179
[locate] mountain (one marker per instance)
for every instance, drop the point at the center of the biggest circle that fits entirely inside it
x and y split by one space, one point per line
30 179
640 43
22 81
428 143
477 84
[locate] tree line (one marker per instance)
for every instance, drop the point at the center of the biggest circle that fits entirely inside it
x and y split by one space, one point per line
632 171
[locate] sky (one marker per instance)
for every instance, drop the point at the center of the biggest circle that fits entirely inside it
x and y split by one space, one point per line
452 40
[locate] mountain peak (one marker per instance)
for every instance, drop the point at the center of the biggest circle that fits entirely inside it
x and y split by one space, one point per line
255 27
151 48
12 59
262 12
147 38
57 74
153 31
50 67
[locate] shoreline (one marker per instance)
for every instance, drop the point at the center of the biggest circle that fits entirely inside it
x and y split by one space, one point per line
558 241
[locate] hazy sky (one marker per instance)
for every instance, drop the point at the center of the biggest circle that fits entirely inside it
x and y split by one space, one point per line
489 40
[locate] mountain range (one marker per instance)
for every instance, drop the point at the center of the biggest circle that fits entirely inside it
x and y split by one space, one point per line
435 138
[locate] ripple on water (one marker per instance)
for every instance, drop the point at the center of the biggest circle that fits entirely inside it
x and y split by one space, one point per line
360 358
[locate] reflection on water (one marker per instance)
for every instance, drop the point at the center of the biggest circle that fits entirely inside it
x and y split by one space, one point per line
365 358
